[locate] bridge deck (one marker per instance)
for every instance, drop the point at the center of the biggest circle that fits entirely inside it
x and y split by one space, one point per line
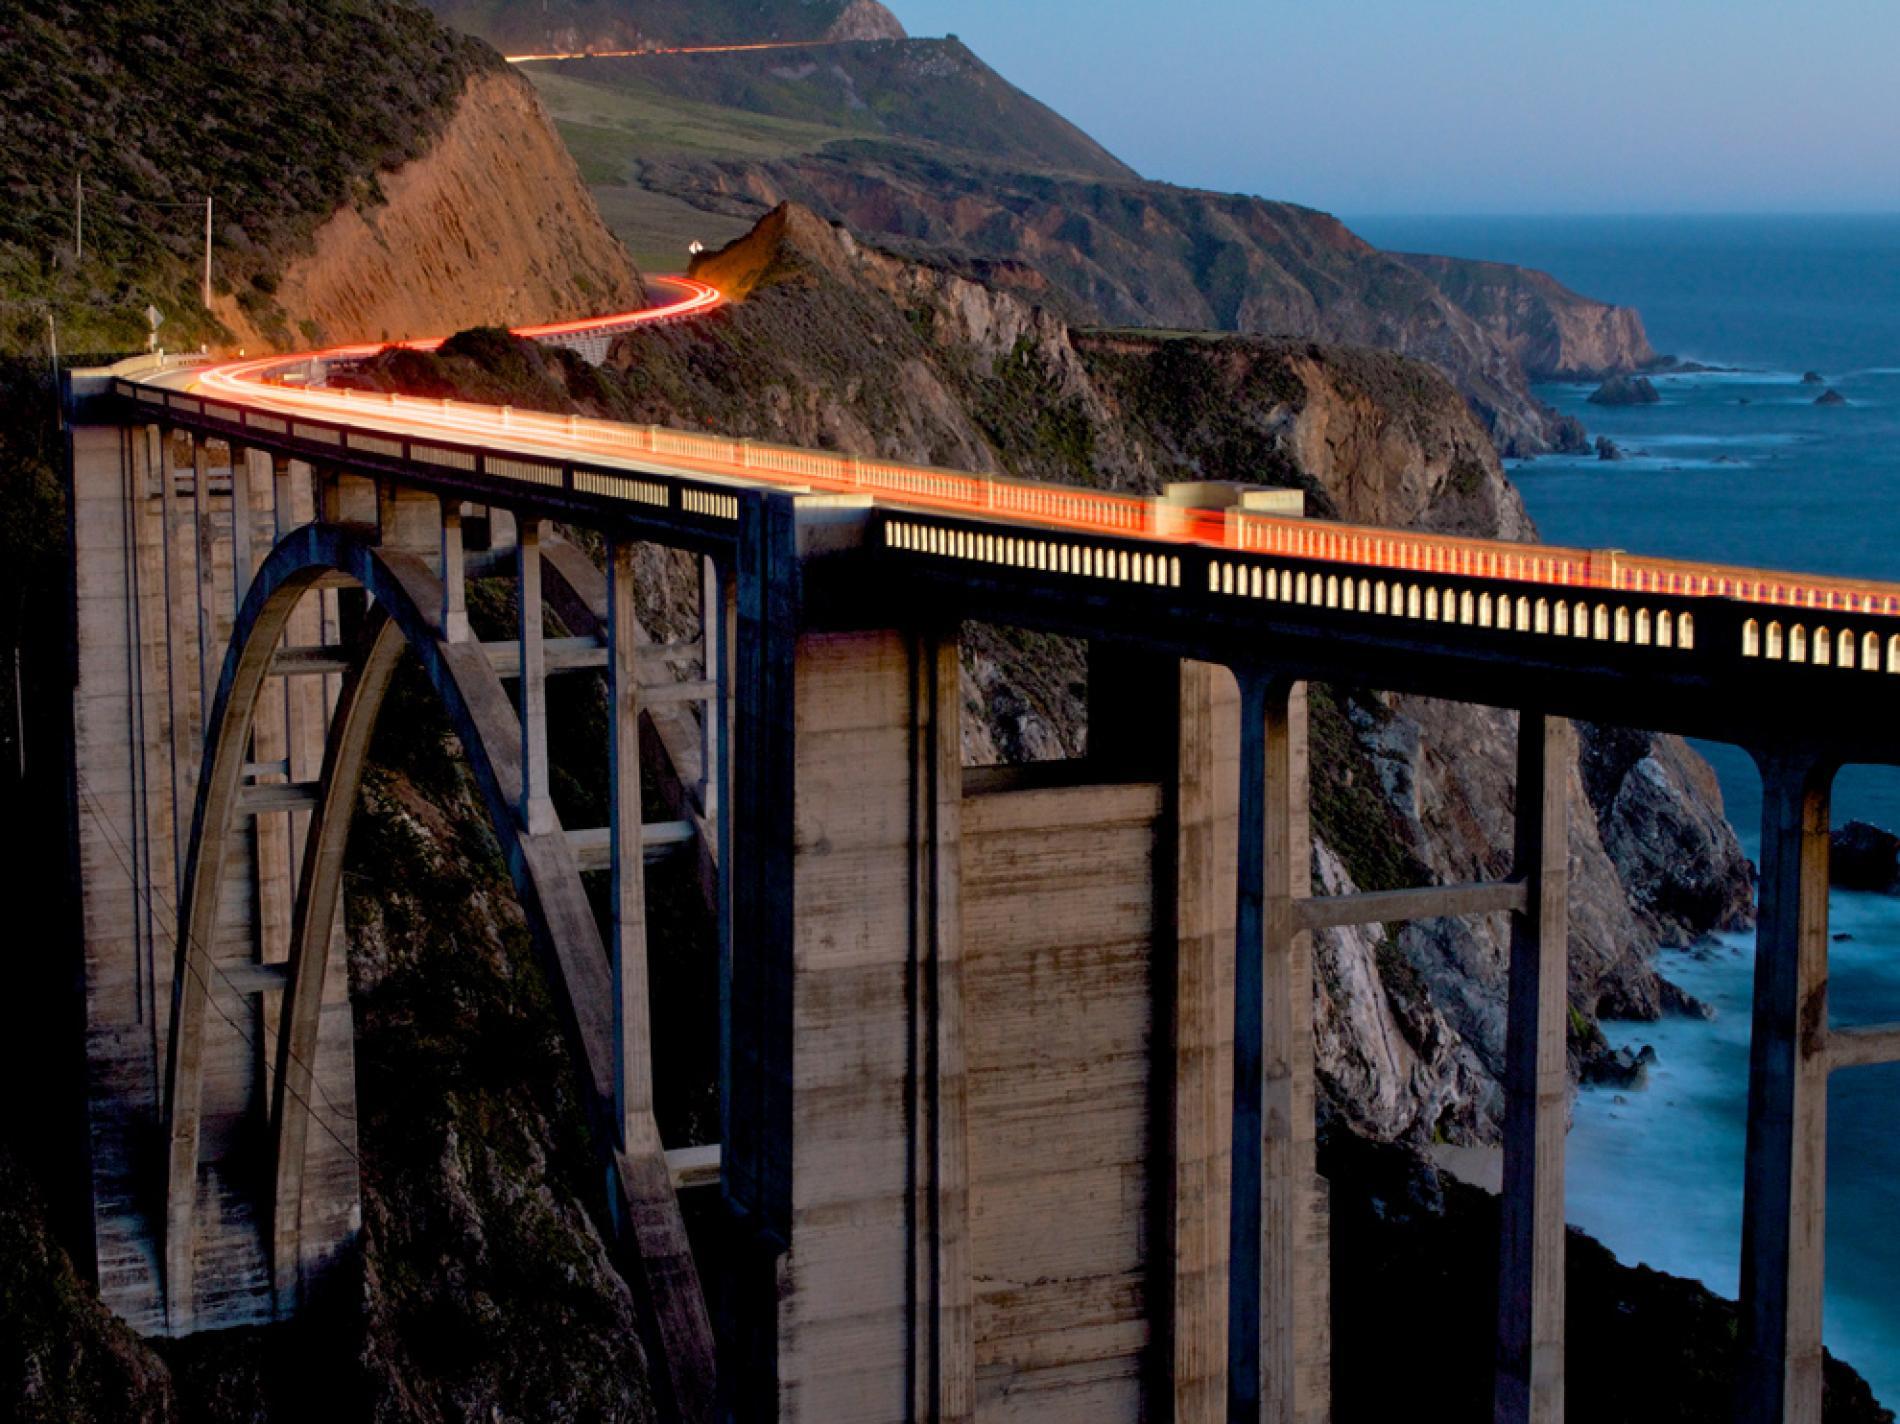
1731 653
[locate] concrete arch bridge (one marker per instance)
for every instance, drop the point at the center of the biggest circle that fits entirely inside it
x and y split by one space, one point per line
1016 1076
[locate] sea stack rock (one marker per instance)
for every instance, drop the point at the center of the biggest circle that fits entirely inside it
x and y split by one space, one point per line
1830 396
1865 857
1811 378
1625 390
1621 1067
1608 449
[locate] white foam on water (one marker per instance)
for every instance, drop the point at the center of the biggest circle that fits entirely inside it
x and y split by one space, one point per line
1656 1172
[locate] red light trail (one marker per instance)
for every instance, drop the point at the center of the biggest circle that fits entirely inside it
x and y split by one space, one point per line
1014 501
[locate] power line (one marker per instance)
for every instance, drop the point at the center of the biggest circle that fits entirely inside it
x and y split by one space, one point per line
128 200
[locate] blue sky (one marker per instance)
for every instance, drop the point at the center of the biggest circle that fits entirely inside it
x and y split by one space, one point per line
1454 106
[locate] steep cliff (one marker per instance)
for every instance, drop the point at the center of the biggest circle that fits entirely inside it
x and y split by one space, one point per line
1553 333
490 224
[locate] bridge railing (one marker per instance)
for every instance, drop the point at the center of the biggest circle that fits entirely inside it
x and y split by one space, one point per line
1413 551
1365 548
1326 575
709 503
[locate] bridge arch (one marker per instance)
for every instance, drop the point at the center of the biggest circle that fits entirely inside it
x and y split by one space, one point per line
542 866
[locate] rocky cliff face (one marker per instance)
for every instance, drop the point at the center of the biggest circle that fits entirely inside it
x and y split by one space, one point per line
1142 254
490 225
865 20
1553 333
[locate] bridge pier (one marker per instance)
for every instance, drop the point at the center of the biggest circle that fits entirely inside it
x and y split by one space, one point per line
161 574
537 807
991 976
1785 1193
1530 1354
1278 1327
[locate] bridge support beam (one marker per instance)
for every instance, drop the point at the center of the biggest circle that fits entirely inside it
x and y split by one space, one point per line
1529 1386
537 807
1278 1300
633 1053
454 575
1784 1195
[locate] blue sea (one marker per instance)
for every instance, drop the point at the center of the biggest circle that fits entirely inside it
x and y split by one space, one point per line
1739 466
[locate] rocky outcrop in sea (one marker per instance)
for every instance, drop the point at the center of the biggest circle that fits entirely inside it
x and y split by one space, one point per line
1626 390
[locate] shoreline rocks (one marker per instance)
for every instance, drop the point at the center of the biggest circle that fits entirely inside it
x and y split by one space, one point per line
1626 390
1622 1068
1863 856
1830 396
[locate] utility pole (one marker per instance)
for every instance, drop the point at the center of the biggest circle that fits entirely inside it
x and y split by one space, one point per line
52 345
207 252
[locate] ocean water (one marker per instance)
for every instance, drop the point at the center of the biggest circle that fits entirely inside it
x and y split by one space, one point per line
1739 466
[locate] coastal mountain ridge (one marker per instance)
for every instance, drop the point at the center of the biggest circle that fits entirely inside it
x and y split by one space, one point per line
919 146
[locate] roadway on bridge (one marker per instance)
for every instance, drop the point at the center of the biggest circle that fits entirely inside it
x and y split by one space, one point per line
272 384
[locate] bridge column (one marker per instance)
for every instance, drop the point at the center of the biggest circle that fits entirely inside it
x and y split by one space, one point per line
210 645
454 575
1278 1288
177 542
243 564
633 1051
411 519
537 809
1785 1192
1529 1385
713 634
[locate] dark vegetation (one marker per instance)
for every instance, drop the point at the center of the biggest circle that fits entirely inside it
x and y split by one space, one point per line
1641 1346
486 1283
155 106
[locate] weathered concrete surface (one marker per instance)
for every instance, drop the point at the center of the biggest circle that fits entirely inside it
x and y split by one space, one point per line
155 544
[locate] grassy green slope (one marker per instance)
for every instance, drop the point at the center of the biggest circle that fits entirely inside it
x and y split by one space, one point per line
281 112
517 27
614 129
